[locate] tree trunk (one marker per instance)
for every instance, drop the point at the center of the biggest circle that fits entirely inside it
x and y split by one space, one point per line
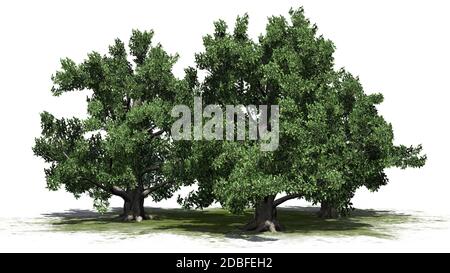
265 218
327 211
133 209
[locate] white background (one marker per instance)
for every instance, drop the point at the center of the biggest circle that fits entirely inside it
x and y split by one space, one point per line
398 48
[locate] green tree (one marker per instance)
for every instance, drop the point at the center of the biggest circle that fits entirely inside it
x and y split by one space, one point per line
353 139
122 148
332 140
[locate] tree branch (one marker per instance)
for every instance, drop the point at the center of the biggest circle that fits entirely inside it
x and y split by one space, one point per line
113 189
146 192
283 199
151 168
65 155
157 133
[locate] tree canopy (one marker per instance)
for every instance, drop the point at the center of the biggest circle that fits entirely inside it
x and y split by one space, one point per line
122 147
332 138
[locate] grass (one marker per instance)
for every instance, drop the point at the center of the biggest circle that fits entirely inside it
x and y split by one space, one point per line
297 221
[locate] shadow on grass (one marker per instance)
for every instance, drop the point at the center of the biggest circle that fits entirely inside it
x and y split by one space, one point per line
296 220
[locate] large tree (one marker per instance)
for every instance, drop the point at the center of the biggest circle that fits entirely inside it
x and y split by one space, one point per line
332 139
350 137
122 148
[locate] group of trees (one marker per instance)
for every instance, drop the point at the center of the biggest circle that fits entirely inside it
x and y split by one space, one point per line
332 140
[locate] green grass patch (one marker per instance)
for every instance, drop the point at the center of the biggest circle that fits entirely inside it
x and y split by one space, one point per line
297 221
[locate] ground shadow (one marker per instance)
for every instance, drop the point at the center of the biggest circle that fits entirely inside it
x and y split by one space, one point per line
296 220
80 216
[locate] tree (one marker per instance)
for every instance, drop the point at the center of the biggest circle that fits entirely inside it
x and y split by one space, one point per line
364 146
332 140
122 148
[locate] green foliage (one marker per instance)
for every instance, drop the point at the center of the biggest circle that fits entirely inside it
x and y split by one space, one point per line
332 139
123 144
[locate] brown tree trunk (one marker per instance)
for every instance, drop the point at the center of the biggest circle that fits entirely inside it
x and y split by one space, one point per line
133 209
265 217
327 211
